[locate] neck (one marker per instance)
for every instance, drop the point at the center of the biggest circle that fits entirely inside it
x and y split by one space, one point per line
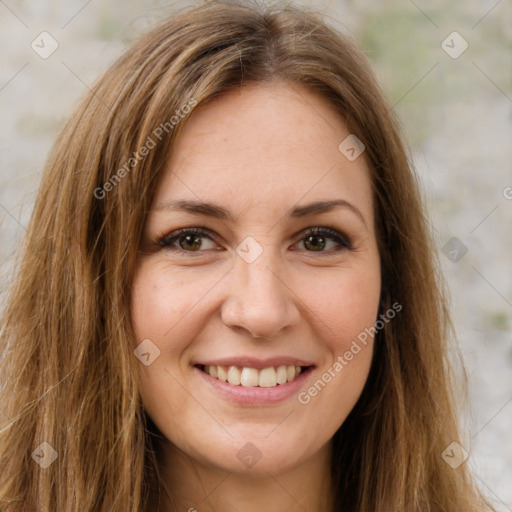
192 486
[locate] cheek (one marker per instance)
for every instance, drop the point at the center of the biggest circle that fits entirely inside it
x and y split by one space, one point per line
156 310
346 305
346 310
166 309
159 314
161 306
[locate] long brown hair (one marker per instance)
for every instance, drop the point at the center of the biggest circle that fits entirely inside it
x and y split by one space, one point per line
70 378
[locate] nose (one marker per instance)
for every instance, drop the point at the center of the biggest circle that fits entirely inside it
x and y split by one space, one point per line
260 301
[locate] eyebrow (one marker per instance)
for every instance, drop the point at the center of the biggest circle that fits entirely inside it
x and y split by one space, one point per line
219 212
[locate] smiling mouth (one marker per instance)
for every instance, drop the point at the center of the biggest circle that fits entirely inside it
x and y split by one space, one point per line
253 377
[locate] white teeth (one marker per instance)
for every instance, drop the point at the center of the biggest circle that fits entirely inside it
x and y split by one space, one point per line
268 378
234 375
282 375
222 374
251 377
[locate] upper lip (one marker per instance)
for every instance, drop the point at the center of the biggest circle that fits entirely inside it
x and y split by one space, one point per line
254 362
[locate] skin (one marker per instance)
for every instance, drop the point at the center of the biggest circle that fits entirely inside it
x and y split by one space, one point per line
258 151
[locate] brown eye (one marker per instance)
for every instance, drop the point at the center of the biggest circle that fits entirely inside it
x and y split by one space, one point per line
315 242
316 239
188 239
191 240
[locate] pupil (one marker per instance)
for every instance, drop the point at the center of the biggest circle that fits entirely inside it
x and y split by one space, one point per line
317 245
195 239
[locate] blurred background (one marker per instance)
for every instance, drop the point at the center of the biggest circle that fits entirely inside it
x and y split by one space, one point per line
446 68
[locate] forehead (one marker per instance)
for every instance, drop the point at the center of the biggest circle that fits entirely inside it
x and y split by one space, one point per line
262 146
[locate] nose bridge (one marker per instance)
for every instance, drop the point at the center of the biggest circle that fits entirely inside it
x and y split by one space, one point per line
260 278
260 285
258 300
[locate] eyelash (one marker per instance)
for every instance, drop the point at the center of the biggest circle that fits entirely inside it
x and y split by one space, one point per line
167 240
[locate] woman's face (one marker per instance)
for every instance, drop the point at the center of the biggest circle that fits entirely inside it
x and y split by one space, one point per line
256 295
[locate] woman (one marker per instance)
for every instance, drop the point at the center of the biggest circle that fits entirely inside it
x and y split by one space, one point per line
298 359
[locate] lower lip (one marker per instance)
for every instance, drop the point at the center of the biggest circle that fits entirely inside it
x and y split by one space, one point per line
245 395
